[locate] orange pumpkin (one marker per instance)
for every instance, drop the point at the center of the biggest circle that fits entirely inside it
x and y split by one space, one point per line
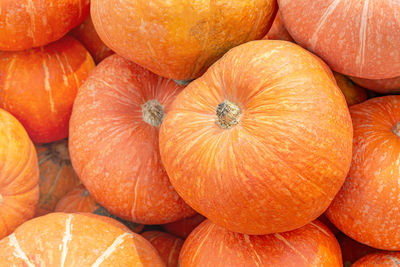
179 39
26 24
267 139
384 259
114 142
88 36
19 176
384 86
61 239
356 38
278 30
212 245
80 200
168 246
39 86
184 227
57 177
353 93
366 207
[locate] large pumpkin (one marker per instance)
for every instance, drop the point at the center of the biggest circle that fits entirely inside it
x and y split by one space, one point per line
61 239
39 86
384 86
366 208
26 24
383 259
184 227
357 38
353 93
57 177
19 176
114 142
262 142
212 245
179 39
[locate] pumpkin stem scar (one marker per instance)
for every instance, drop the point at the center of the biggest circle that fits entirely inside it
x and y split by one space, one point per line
153 112
396 129
227 114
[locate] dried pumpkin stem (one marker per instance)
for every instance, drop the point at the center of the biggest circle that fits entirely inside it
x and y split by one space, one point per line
227 115
153 112
396 129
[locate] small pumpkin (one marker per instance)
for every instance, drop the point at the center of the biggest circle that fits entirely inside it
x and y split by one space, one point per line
267 139
353 93
212 245
26 24
39 86
62 239
184 227
167 245
383 259
278 30
366 207
384 86
19 176
179 39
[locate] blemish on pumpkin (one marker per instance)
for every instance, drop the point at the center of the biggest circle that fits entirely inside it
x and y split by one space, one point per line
227 114
396 129
85 193
153 112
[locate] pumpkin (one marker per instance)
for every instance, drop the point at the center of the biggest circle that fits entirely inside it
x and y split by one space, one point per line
62 239
267 139
278 30
353 93
356 38
88 36
366 207
168 246
26 24
39 86
384 86
212 245
80 200
113 142
19 176
57 177
184 227
384 259
179 39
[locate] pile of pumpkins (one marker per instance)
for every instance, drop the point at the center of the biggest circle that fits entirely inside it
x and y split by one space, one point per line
199 133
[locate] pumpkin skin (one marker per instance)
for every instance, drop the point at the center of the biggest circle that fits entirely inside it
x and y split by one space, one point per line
353 93
363 41
328 224
179 39
384 86
19 176
61 239
365 208
87 35
39 86
26 24
211 245
278 30
184 227
259 176
168 246
57 177
110 138
384 259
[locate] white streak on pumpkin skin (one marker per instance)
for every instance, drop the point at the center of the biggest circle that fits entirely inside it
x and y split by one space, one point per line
172 252
248 241
363 36
65 77
135 190
47 86
117 242
205 238
8 78
281 238
30 8
320 229
71 70
19 253
66 238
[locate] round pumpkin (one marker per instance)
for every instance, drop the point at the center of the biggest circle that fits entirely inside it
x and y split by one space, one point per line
57 177
88 36
384 86
383 259
179 39
278 30
26 24
19 176
353 93
356 38
267 139
212 245
366 207
168 246
114 131
184 227
61 239
39 86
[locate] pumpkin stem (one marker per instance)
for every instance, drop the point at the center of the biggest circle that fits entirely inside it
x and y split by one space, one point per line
153 112
227 114
396 129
